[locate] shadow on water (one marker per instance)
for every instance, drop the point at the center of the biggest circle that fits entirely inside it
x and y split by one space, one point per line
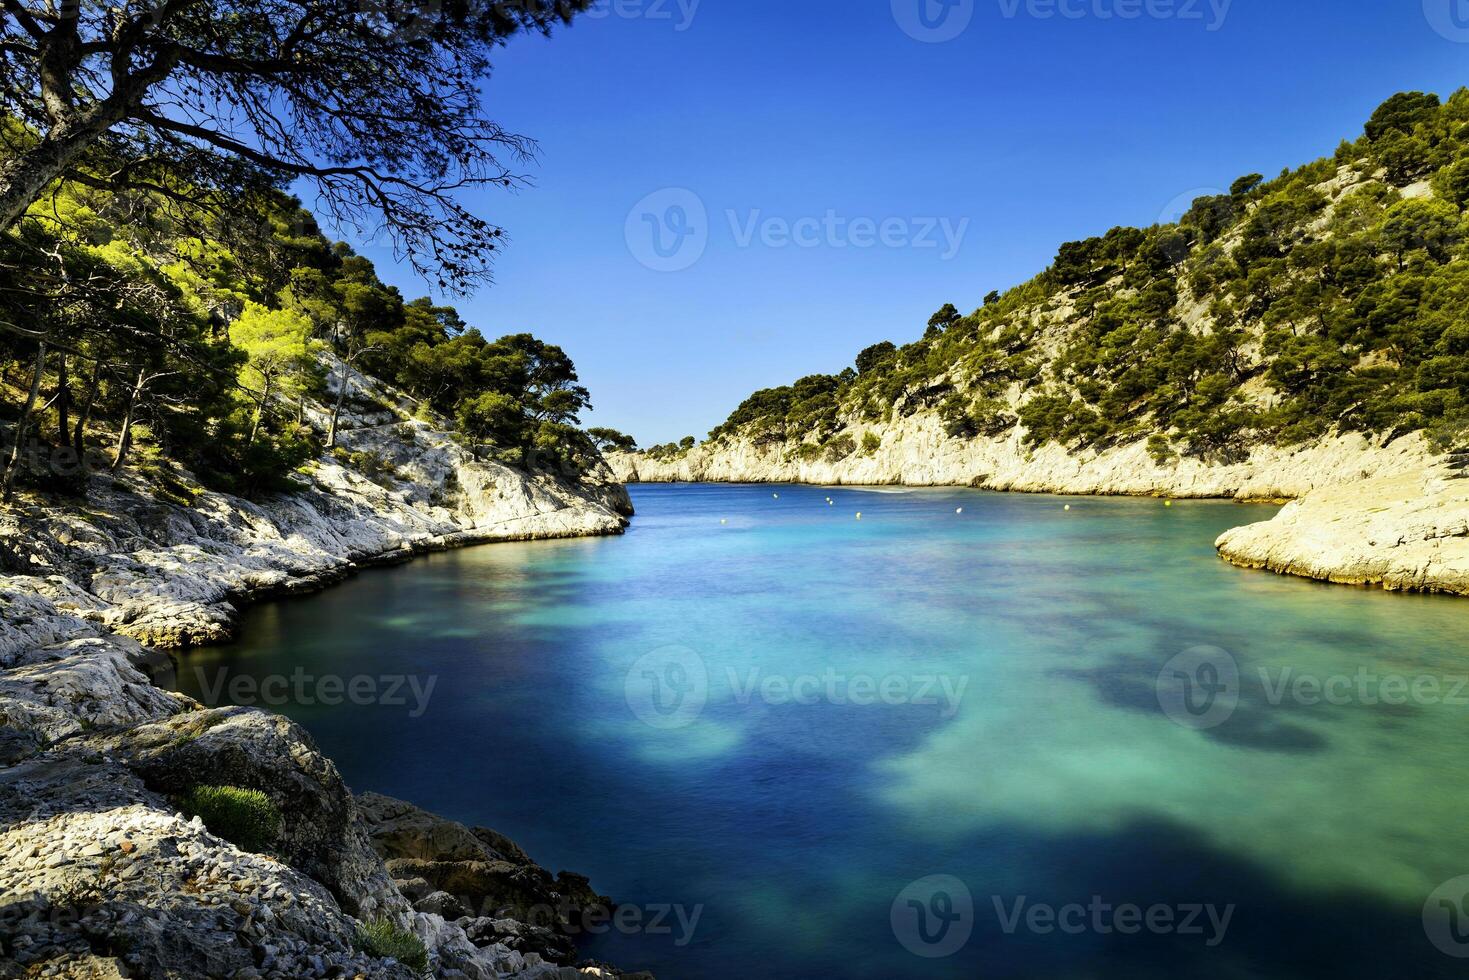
1273 931
1132 683
1225 919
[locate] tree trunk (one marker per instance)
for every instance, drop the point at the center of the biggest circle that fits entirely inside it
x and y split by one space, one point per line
331 438
259 414
23 178
63 401
79 434
125 437
7 483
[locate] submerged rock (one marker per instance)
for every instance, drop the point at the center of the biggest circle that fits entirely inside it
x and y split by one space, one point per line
481 875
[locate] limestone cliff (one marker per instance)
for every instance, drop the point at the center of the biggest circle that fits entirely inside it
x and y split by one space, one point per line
916 452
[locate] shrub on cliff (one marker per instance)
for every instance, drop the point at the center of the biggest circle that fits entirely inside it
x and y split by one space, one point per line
384 940
245 817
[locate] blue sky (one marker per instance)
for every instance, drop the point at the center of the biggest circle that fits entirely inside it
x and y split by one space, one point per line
853 178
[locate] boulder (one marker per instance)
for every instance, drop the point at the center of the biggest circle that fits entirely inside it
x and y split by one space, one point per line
252 749
401 830
442 903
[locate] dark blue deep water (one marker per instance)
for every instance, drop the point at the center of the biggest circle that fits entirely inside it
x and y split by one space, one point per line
788 721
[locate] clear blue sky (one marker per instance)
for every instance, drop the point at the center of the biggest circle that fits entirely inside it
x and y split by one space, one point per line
1033 129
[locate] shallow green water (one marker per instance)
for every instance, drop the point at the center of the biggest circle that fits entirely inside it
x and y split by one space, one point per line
627 708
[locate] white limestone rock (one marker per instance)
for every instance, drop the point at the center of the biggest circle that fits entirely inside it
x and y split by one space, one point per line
1406 532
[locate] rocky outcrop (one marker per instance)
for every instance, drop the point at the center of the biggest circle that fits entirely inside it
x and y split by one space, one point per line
100 874
917 452
401 831
1408 532
95 866
253 750
480 879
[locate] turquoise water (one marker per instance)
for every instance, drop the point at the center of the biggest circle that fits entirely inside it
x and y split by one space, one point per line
623 707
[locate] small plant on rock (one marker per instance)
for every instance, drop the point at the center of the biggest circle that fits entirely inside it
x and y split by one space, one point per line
245 817
382 939
1160 447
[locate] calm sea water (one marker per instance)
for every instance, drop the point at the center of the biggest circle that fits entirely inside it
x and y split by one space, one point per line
787 722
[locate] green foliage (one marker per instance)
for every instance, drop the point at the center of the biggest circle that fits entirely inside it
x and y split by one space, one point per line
1161 449
517 395
226 321
381 938
1401 114
839 448
945 318
610 440
965 418
1096 260
809 405
1246 184
245 817
876 357
278 351
1434 226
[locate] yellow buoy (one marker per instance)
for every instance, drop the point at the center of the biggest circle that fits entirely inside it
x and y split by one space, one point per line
859 515
1167 503
1068 506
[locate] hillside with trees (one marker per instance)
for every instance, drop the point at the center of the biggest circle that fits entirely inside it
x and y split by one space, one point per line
1333 298
166 302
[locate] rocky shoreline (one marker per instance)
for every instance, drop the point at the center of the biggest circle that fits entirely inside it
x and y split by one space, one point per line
1407 532
103 874
1359 511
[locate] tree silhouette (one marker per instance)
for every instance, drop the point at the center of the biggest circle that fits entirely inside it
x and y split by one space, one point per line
375 103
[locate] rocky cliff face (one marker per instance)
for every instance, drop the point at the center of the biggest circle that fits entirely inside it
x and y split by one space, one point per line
100 874
916 452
